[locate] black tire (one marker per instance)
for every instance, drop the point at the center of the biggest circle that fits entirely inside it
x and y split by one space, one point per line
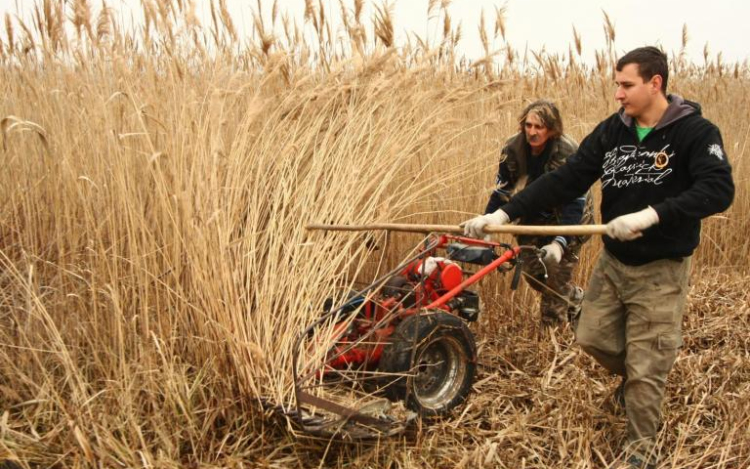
444 353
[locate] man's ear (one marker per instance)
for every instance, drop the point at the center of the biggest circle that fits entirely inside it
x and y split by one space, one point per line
656 82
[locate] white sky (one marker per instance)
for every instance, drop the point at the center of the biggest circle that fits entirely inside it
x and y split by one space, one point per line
533 23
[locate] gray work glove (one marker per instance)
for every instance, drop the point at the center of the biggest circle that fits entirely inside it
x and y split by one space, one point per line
474 228
629 227
553 253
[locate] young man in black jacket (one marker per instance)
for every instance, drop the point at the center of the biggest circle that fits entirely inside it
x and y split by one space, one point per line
663 168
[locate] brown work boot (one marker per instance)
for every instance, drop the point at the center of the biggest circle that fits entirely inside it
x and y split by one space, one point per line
635 458
636 462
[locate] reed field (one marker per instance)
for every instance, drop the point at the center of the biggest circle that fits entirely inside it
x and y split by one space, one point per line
155 269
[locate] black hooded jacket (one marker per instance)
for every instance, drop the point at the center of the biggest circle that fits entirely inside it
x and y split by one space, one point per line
680 169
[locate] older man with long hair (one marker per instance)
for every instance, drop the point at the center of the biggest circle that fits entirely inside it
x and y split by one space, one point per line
540 146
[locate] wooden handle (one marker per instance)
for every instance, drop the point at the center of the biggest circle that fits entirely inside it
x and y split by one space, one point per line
538 230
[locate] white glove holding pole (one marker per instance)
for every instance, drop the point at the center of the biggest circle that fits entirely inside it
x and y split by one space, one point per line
474 228
629 227
553 253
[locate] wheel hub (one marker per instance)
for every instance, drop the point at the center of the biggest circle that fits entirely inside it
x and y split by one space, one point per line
440 372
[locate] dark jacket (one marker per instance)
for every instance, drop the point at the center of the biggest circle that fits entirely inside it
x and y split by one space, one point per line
680 169
518 168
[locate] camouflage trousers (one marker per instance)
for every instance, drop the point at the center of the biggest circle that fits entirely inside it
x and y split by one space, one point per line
559 297
631 323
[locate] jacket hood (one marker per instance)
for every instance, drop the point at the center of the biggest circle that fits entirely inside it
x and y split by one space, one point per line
677 109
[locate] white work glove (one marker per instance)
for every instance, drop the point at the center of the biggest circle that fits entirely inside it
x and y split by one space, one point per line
629 227
474 228
553 253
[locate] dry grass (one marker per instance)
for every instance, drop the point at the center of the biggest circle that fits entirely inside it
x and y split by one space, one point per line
154 269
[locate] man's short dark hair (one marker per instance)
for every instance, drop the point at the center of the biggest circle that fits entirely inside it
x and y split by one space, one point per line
651 61
547 113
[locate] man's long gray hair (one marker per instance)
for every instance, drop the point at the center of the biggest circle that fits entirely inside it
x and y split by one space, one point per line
547 113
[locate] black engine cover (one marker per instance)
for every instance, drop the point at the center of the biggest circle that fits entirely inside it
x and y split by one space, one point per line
471 254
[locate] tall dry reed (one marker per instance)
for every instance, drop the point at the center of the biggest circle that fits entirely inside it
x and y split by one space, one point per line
154 269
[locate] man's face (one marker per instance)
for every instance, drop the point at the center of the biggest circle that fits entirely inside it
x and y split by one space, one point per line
536 132
635 95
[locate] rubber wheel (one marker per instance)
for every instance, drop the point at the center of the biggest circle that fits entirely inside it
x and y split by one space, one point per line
442 373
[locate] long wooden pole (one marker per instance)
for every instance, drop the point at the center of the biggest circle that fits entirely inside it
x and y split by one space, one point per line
543 230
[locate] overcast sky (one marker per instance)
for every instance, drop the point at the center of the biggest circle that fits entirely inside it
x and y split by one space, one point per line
532 23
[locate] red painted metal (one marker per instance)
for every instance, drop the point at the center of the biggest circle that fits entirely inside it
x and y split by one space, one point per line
432 292
440 302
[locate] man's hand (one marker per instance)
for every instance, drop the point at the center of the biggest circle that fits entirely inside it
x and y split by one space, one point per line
553 253
474 228
629 227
